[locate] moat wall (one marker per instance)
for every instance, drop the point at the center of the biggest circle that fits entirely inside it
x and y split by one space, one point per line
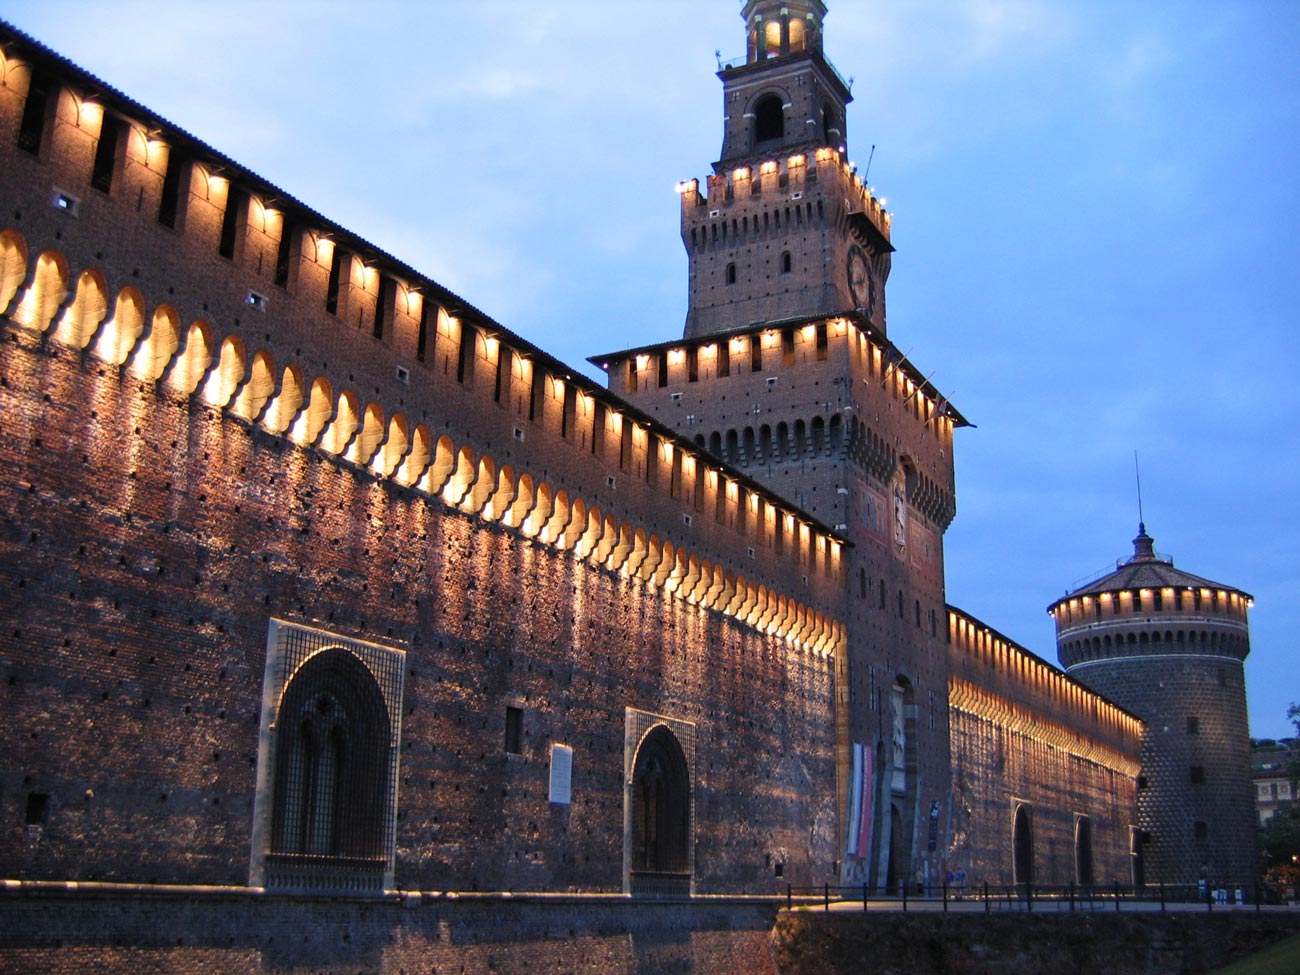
807 943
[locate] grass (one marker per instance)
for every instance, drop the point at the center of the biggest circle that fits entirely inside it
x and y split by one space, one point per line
1282 958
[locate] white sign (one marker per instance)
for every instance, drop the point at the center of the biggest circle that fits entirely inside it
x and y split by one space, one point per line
561 773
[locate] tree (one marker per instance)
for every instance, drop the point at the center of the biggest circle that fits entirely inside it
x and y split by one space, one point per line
1279 838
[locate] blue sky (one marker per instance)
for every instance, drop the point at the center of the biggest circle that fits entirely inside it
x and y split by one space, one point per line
1096 211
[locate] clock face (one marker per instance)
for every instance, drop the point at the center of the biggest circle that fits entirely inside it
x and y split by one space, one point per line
862 284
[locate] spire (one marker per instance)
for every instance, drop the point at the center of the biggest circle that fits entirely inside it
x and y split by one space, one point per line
1144 546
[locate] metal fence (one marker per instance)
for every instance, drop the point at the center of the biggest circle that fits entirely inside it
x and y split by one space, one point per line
1036 897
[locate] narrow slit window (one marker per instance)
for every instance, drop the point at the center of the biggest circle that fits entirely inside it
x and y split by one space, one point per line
422 332
169 205
284 251
101 172
384 305
232 221
332 287
514 743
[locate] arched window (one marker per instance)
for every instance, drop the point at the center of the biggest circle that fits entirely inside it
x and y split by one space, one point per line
731 274
830 125
661 815
787 263
332 761
769 119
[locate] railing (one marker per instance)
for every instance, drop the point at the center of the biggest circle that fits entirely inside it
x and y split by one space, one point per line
1031 897
298 871
660 883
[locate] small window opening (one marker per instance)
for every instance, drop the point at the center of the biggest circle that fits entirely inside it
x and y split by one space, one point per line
787 346
693 365
823 342
724 358
731 274
514 731
38 808
663 370
787 263
1193 725
755 354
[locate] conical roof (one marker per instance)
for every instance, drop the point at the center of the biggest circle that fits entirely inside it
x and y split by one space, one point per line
1146 570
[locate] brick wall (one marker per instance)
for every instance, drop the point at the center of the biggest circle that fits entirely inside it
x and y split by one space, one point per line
189 935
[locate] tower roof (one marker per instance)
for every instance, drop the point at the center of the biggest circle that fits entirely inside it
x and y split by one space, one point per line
1146 570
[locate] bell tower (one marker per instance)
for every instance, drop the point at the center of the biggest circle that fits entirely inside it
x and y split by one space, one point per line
784 229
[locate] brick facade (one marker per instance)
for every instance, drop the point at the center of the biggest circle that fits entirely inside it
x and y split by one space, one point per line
227 419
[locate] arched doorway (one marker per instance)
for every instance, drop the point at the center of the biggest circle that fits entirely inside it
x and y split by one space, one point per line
897 861
661 816
1083 872
1023 845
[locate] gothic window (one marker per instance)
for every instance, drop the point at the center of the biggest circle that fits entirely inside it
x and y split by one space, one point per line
331 776
769 119
661 814
326 800
787 263
731 274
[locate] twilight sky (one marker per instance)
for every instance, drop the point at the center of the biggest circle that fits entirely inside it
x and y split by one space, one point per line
1097 216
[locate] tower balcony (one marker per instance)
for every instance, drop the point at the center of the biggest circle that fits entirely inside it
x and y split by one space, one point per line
822 170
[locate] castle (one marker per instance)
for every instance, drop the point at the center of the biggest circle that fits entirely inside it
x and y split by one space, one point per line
319 580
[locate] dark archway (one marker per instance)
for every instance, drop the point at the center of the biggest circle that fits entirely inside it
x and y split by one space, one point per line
1083 871
769 119
897 851
331 763
661 816
1023 845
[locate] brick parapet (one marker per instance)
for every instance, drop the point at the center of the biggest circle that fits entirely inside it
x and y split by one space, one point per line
488 397
150 537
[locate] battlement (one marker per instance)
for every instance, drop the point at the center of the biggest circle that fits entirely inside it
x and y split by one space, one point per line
987 667
270 313
824 173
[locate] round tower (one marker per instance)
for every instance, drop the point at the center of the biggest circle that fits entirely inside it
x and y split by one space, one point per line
1169 646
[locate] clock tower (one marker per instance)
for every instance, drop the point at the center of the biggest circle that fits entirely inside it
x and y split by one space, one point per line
787 375
784 228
